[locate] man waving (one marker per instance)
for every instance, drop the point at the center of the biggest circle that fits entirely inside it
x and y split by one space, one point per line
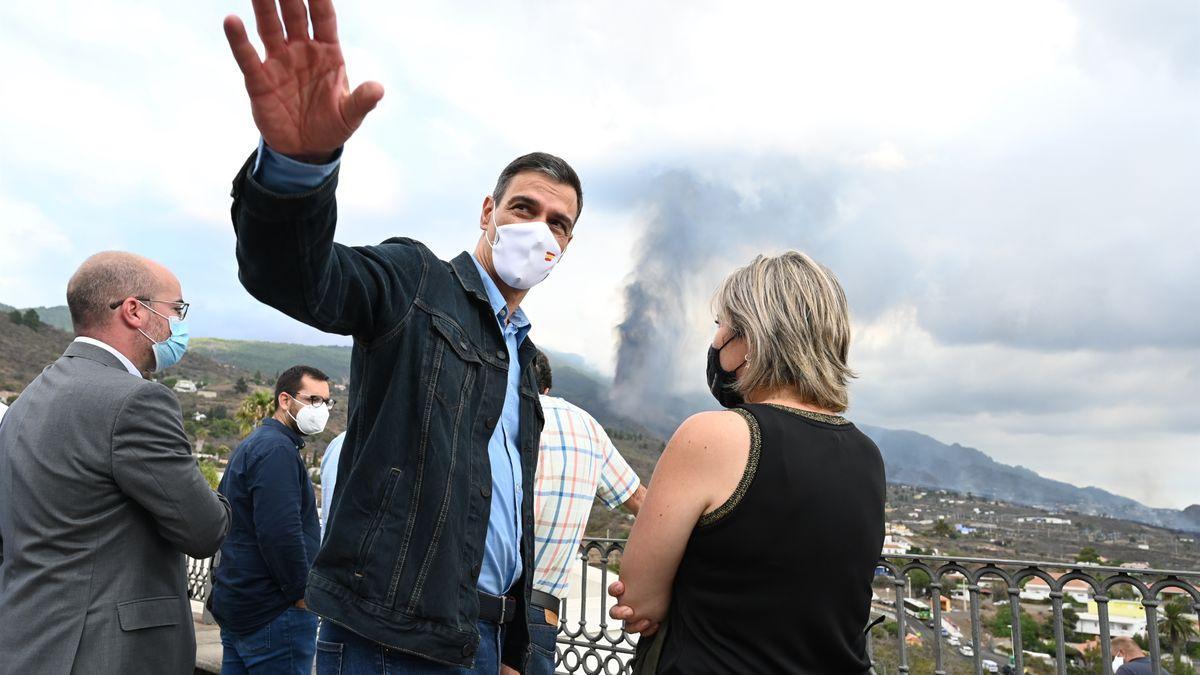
426 562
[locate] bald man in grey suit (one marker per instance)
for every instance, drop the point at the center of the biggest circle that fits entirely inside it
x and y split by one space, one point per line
100 497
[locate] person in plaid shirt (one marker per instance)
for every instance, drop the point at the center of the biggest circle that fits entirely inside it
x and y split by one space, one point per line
576 463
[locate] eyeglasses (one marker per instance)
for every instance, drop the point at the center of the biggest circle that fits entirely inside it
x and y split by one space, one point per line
313 400
181 308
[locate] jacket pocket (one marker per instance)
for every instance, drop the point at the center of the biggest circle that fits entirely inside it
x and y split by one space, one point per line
453 334
149 612
367 545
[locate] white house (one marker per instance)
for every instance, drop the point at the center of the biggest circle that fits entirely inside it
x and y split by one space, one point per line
1037 589
1126 618
185 387
1044 520
895 545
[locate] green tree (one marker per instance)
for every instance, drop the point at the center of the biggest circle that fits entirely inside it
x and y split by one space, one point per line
1087 554
223 451
209 470
943 529
1002 626
1123 592
240 386
16 317
170 382
32 320
1176 627
1070 621
201 436
919 581
254 408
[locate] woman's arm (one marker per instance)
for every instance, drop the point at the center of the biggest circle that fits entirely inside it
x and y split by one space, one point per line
698 471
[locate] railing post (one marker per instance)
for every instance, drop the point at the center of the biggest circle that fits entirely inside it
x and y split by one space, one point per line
1105 634
976 637
901 625
935 604
1151 606
1060 649
1014 605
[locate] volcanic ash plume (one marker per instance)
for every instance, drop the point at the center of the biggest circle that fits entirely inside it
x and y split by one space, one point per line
699 232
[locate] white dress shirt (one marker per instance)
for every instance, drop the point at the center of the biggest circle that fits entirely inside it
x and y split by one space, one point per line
108 348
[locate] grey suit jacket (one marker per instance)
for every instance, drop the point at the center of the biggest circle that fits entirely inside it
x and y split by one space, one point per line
100 498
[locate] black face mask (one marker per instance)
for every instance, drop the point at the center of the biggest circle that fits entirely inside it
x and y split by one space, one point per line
721 381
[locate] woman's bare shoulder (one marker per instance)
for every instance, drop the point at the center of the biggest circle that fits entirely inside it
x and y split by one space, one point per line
706 433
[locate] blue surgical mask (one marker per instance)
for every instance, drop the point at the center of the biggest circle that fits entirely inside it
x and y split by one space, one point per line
168 352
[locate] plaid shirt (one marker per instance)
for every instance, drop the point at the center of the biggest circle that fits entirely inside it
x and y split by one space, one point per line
576 463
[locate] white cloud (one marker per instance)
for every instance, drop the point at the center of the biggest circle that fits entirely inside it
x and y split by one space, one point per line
1007 191
32 242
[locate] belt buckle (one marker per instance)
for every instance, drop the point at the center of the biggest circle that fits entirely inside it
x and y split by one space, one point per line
503 608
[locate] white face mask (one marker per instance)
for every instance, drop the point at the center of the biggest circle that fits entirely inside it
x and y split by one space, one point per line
1117 663
311 419
524 253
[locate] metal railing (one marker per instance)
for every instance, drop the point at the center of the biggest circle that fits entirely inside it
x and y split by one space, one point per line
590 642
199 578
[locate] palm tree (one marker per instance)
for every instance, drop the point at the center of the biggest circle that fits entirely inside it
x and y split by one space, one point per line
201 436
256 407
1177 628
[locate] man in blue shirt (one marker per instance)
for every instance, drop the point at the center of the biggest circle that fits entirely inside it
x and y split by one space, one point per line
258 585
426 561
1129 658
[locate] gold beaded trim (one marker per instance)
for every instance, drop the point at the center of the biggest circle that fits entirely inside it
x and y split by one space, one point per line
747 475
816 416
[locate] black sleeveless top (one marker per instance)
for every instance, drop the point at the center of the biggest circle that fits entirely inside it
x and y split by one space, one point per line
778 579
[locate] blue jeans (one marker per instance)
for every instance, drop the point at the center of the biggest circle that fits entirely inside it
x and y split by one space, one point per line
285 645
341 651
543 635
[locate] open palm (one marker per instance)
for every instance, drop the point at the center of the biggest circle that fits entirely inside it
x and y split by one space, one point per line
299 95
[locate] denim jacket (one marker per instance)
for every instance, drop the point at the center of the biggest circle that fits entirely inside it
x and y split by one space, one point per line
403 549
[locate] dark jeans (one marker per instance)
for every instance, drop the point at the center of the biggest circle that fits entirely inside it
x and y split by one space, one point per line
542 636
341 651
285 645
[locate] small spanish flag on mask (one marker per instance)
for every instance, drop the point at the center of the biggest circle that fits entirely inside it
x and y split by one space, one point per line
550 256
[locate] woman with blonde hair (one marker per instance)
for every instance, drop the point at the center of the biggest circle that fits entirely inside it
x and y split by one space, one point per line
758 540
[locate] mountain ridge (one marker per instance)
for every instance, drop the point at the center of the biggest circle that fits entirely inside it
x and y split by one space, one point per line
911 457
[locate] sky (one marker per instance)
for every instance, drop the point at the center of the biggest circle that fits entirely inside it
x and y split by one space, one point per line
1007 191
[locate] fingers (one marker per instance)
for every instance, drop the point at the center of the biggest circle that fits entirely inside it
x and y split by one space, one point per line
269 28
616 589
360 102
243 52
621 612
295 19
324 20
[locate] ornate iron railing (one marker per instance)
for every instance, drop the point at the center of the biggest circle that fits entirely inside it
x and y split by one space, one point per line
199 579
591 643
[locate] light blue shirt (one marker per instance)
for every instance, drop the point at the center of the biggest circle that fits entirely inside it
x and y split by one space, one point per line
502 549
329 464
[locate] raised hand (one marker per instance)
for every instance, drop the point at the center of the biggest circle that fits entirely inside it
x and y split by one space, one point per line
299 95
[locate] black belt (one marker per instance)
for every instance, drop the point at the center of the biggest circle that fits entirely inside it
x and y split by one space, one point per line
544 600
497 608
